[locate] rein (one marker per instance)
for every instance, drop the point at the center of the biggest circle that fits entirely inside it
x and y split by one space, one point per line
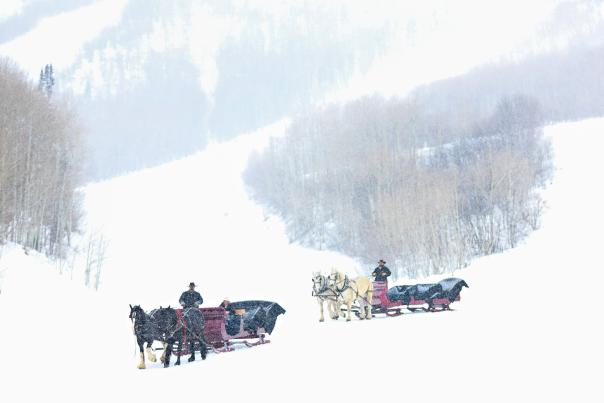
183 325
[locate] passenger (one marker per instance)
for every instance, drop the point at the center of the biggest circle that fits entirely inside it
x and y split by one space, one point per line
226 305
381 272
190 298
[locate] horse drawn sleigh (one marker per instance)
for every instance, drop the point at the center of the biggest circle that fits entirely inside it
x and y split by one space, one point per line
191 330
365 301
425 297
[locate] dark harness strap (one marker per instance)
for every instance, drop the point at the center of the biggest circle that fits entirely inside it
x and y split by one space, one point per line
345 286
183 323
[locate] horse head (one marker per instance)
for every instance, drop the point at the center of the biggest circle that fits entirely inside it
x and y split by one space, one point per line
335 278
166 318
136 312
319 283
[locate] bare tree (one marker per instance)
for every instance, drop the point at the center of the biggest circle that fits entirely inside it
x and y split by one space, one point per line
40 162
96 246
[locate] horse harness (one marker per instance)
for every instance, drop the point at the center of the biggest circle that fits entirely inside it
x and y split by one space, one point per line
322 292
346 286
169 331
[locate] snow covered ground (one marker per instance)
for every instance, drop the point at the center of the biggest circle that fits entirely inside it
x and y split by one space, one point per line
527 329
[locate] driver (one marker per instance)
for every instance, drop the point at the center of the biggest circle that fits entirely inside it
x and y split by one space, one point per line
381 272
190 298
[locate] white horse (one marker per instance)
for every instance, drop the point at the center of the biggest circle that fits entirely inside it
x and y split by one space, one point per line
348 291
324 294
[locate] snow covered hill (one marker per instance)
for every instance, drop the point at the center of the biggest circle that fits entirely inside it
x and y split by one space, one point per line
156 80
527 329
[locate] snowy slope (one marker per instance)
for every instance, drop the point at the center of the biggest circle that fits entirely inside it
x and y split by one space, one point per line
217 69
527 329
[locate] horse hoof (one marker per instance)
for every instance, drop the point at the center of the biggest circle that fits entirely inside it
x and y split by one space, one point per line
141 366
191 359
321 320
166 365
348 320
177 363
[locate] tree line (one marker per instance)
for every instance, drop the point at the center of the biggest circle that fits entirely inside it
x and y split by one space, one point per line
40 163
388 178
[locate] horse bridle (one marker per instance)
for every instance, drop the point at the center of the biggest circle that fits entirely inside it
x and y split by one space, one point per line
134 316
322 281
138 321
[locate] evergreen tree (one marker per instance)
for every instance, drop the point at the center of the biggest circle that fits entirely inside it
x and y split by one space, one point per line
47 80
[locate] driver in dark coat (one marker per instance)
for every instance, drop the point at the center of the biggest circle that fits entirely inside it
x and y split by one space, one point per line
190 298
381 272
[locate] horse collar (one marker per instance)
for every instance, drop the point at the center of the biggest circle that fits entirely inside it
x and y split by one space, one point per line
346 285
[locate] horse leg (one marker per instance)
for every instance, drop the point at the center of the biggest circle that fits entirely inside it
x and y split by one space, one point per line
369 304
168 352
339 309
162 358
141 343
321 319
192 349
334 310
203 347
349 305
150 352
178 352
362 304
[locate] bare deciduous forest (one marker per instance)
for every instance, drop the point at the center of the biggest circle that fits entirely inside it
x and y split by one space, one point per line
40 157
451 172
381 177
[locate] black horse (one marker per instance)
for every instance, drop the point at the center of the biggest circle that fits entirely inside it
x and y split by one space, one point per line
186 329
146 330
